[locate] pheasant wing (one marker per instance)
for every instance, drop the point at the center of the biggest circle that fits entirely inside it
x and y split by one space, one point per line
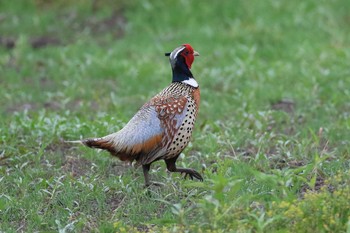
149 133
170 111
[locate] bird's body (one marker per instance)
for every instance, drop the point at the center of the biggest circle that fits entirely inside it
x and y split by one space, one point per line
163 126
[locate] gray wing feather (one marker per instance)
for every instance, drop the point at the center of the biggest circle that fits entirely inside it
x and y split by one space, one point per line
143 126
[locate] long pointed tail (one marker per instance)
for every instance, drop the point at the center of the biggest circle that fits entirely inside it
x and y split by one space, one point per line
75 142
99 143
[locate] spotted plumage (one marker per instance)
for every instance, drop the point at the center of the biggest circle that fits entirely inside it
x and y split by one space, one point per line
162 128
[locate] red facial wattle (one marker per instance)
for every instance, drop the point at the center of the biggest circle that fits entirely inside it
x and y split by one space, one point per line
187 53
189 58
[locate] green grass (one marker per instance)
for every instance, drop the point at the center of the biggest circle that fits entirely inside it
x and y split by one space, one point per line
271 139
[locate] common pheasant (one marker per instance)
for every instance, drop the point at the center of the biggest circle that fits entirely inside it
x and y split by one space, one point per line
163 126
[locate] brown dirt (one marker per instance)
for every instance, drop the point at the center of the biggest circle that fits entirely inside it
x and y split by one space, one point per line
118 167
35 42
22 107
44 41
114 200
7 42
287 106
76 166
320 182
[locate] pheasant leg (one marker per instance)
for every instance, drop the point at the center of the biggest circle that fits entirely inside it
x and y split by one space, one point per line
145 169
148 183
171 166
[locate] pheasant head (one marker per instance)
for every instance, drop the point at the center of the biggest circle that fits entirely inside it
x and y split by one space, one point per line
181 59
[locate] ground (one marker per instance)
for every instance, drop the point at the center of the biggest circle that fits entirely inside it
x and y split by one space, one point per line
271 139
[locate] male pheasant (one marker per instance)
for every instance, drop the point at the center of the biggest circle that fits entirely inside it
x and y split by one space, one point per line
163 126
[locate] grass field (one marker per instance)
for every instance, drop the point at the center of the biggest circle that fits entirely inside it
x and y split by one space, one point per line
271 138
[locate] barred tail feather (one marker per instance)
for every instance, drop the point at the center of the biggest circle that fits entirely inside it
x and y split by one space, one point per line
105 143
124 149
100 143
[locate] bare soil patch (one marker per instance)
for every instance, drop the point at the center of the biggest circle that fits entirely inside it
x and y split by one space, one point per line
7 42
76 166
285 105
44 41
